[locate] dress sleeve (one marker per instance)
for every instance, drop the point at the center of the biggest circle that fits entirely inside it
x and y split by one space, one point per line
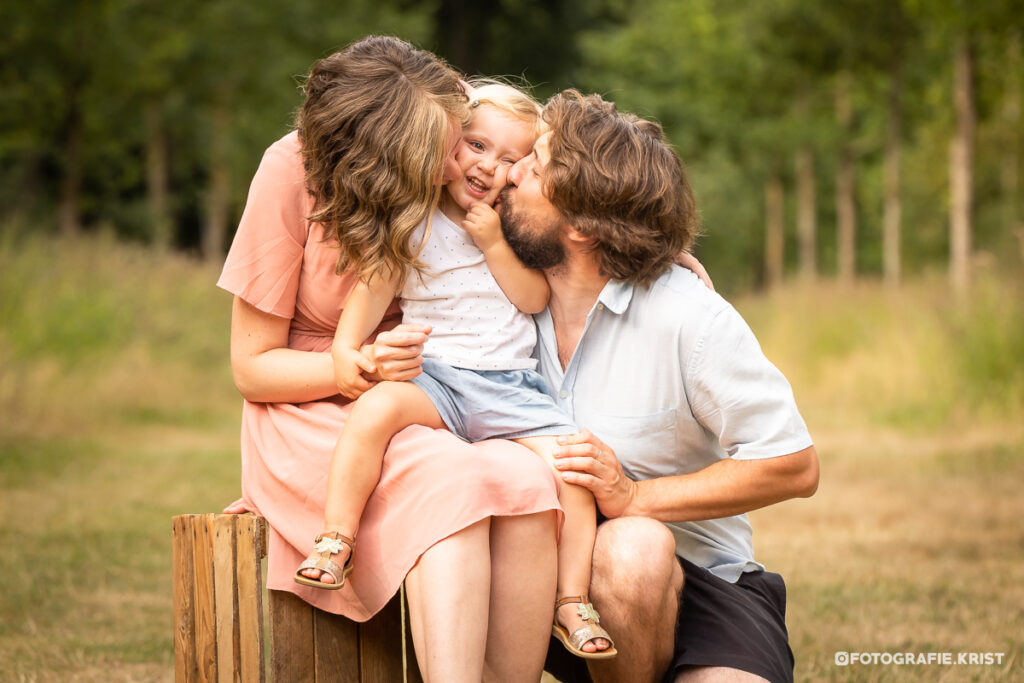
738 395
265 258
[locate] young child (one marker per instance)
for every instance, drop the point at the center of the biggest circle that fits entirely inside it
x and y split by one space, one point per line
478 377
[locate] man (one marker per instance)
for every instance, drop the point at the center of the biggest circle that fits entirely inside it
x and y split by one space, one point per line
692 425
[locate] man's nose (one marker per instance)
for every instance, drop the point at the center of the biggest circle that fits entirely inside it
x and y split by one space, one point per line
515 174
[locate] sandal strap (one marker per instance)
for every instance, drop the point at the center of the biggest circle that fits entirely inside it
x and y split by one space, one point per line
569 599
581 636
325 565
337 535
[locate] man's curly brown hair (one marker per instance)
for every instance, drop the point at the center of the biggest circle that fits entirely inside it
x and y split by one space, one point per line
374 129
616 180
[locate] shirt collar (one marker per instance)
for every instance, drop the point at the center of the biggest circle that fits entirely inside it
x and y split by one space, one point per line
616 296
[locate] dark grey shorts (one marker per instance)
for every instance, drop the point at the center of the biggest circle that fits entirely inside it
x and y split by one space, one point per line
738 625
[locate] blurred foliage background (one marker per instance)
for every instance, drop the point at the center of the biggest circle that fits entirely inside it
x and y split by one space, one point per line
861 138
858 166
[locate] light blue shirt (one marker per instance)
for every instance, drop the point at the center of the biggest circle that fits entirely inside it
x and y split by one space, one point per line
673 380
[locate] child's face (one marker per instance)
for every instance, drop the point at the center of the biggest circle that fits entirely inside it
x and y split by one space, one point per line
491 143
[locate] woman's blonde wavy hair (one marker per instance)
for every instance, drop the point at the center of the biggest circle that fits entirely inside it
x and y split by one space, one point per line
374 129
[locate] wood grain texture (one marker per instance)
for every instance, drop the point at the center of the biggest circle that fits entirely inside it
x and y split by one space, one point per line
291 638
380 645
183 596
202 572
225 597
337 648
249 577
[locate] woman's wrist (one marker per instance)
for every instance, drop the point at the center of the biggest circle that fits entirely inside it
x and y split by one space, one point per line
288 376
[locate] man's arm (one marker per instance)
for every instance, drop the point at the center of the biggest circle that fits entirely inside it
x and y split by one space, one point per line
728 487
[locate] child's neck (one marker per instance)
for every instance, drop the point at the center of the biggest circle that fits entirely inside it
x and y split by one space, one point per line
455 213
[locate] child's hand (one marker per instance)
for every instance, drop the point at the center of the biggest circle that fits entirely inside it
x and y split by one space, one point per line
483 225
349 365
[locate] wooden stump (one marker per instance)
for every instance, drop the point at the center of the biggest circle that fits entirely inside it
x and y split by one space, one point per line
219 617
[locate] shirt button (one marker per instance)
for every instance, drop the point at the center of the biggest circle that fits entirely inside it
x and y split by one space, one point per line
600 307
563 393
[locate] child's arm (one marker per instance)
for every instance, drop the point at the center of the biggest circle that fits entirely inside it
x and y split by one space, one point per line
362 314
526 288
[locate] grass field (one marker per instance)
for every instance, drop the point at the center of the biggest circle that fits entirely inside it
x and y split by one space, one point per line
118 411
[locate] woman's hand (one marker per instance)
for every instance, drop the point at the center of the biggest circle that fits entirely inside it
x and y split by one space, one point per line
585 460
690 262
398 353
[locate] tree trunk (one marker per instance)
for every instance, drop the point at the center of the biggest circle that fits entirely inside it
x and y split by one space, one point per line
462 33
1010 162
218 198
961 167
68 207
806 214
156 176
892 211
846 205
774 231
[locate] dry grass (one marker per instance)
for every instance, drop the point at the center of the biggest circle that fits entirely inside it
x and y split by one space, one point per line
910 545
119 412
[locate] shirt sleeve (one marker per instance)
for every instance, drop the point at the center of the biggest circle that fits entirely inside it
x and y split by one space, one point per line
738 395
265 258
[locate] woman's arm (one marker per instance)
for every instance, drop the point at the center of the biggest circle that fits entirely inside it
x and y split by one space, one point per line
265 369
527 289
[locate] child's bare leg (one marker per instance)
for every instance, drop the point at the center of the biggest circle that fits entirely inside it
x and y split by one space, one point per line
377 415
576 547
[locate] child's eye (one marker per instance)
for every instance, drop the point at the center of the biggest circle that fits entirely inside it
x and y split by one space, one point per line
508 162
476 145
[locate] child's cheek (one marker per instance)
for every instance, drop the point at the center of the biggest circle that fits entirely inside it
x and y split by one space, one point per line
451 171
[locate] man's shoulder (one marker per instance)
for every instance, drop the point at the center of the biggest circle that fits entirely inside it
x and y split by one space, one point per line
679 295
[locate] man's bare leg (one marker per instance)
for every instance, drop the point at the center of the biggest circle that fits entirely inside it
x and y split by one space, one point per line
636 584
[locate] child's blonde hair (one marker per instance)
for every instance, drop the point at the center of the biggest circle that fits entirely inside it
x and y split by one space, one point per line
509 99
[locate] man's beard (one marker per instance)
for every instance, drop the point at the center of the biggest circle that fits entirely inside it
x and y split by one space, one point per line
538 246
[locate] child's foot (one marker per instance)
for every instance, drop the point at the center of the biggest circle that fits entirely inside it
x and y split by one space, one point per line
576 626
322 569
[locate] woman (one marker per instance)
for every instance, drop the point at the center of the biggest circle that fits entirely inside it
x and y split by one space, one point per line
470 528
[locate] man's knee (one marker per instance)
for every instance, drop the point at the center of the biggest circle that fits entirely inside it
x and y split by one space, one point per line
635 555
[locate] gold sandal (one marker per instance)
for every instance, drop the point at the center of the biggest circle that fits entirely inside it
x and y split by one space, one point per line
575 641
327 544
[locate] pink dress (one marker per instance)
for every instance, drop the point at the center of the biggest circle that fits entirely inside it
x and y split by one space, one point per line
432 483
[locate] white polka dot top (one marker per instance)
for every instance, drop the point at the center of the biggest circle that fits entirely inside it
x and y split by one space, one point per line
475 325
